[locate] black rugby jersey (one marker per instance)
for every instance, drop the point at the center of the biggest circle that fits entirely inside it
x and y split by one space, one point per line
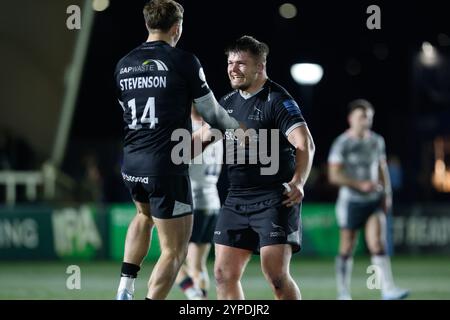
272 108
156 85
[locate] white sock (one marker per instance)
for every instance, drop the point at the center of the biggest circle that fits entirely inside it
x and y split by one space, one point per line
344 274
193 293
127 283
384 263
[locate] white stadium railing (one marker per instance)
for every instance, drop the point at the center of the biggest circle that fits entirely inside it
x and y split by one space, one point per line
48 178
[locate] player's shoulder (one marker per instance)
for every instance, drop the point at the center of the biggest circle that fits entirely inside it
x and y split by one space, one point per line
182 55
376 136
341 139
276 92
276 96
131 55
175 54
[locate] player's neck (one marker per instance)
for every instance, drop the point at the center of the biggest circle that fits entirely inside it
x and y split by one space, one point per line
158 36
256 86
359 134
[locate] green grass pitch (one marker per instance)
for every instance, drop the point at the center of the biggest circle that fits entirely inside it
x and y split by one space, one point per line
426 277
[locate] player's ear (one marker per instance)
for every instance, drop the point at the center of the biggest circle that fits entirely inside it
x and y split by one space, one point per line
260 67
177 29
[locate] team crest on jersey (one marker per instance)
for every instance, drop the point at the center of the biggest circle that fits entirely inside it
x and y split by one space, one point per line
256 114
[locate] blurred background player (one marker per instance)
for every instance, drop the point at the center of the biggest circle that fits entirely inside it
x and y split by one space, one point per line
357 164
156 83
204 173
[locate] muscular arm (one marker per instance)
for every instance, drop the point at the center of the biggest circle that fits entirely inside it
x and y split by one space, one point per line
214 114
207 134
303 143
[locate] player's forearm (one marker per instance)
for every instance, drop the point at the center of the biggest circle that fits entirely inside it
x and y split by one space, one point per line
385 179
337 177
304 155
214 114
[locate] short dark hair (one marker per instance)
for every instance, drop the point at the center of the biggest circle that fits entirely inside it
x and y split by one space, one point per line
258 49
362 104
162 14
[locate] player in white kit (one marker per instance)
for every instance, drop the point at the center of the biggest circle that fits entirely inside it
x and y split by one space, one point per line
357 164
204 172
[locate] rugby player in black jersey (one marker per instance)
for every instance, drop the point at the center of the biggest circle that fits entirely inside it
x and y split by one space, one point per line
157 84
261 213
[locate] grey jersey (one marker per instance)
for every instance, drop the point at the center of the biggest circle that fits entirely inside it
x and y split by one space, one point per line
204 172
361 159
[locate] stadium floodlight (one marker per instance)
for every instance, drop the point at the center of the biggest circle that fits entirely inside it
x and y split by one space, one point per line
100 5
429 55
306 73
287 10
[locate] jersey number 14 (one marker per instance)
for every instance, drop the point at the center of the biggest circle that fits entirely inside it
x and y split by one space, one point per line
148 116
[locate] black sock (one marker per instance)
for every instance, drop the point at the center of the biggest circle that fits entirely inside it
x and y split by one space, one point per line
147 298
205 293
344 257
186 283
129 270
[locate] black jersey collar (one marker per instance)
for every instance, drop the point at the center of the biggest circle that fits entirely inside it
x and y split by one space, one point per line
157 42
264 87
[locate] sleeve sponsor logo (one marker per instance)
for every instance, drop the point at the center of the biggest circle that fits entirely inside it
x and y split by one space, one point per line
292 107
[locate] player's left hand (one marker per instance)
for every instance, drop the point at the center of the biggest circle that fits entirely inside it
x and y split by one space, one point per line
294 193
